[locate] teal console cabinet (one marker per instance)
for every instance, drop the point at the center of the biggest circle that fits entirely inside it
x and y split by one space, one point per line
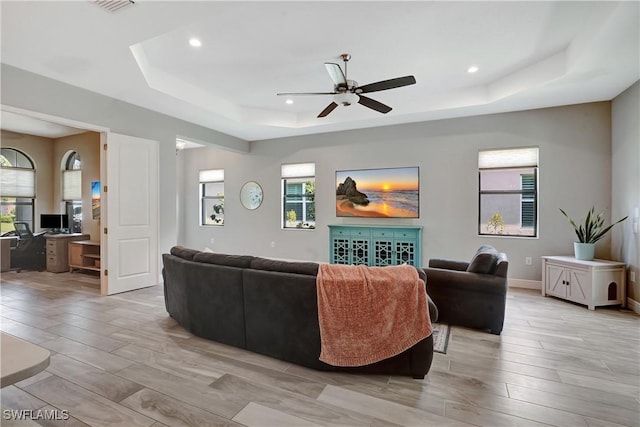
375 245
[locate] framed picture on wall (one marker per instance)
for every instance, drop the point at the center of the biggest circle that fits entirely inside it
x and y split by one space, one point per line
95 200
378 193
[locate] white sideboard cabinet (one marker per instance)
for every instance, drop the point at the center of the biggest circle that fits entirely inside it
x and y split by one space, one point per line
592 283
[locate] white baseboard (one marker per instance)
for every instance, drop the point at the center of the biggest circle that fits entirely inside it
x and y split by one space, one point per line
633 305
527 284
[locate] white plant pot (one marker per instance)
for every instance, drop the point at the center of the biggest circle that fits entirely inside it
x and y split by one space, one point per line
584 251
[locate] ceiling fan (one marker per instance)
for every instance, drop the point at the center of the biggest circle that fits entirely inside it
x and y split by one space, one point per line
347 92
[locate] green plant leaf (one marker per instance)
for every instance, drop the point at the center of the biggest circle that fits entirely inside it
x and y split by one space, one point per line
592 229
604 231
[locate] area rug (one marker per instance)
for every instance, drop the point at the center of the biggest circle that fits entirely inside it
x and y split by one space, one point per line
441 334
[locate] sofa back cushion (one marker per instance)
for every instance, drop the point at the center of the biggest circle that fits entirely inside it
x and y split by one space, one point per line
307 268
215 302
240 261
184 253
281 316
484 261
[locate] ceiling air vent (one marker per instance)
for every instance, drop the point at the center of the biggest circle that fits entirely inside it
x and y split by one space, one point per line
113 5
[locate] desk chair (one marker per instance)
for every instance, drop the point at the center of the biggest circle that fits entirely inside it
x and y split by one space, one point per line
30 252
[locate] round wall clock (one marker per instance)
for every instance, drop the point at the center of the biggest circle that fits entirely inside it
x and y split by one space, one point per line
251 195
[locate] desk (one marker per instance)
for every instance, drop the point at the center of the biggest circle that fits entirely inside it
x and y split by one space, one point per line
84 255
20 359
5 252
58 250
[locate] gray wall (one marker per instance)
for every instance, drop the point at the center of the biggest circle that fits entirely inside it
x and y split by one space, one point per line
575 173
626 183
28 91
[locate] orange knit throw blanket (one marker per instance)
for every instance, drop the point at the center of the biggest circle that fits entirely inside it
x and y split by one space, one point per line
368 314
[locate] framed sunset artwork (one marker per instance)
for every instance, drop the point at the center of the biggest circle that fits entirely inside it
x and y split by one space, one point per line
378 193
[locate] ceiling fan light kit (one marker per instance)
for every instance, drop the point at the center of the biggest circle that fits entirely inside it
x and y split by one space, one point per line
346 98
347 92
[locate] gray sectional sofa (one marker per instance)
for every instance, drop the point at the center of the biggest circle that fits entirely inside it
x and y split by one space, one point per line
265 306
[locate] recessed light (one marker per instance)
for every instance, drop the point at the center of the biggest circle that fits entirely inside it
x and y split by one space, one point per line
472 69
195 42
289 101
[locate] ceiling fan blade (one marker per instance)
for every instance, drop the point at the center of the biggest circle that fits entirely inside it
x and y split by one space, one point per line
374 105
305 93
386 84
336 74
327 110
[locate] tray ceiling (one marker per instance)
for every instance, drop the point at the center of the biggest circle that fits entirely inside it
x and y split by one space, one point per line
528 54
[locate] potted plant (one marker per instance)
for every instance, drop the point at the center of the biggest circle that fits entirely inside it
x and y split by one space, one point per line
589 233
496 222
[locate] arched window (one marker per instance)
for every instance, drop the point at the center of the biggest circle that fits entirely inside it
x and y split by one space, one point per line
73 161
17 189
72 190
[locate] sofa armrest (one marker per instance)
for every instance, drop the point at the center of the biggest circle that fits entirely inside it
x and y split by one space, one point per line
433 310
448 264
462 280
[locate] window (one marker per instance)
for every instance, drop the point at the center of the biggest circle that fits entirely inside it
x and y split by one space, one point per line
298 195
212 197
72 190
17 189
508 197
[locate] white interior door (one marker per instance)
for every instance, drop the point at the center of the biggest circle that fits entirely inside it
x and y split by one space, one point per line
132 213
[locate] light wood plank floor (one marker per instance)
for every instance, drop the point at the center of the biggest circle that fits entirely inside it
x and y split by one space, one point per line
121 360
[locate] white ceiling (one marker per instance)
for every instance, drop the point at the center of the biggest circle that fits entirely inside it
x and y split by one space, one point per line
31 126
530 55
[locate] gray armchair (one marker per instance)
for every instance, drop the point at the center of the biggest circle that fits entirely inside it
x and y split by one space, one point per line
471 294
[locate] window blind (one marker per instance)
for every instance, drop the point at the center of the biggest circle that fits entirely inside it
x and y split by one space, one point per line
213 175
16 182
297 170
72 185
510 157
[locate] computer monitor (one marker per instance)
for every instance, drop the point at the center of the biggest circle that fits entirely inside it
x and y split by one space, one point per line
54 221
